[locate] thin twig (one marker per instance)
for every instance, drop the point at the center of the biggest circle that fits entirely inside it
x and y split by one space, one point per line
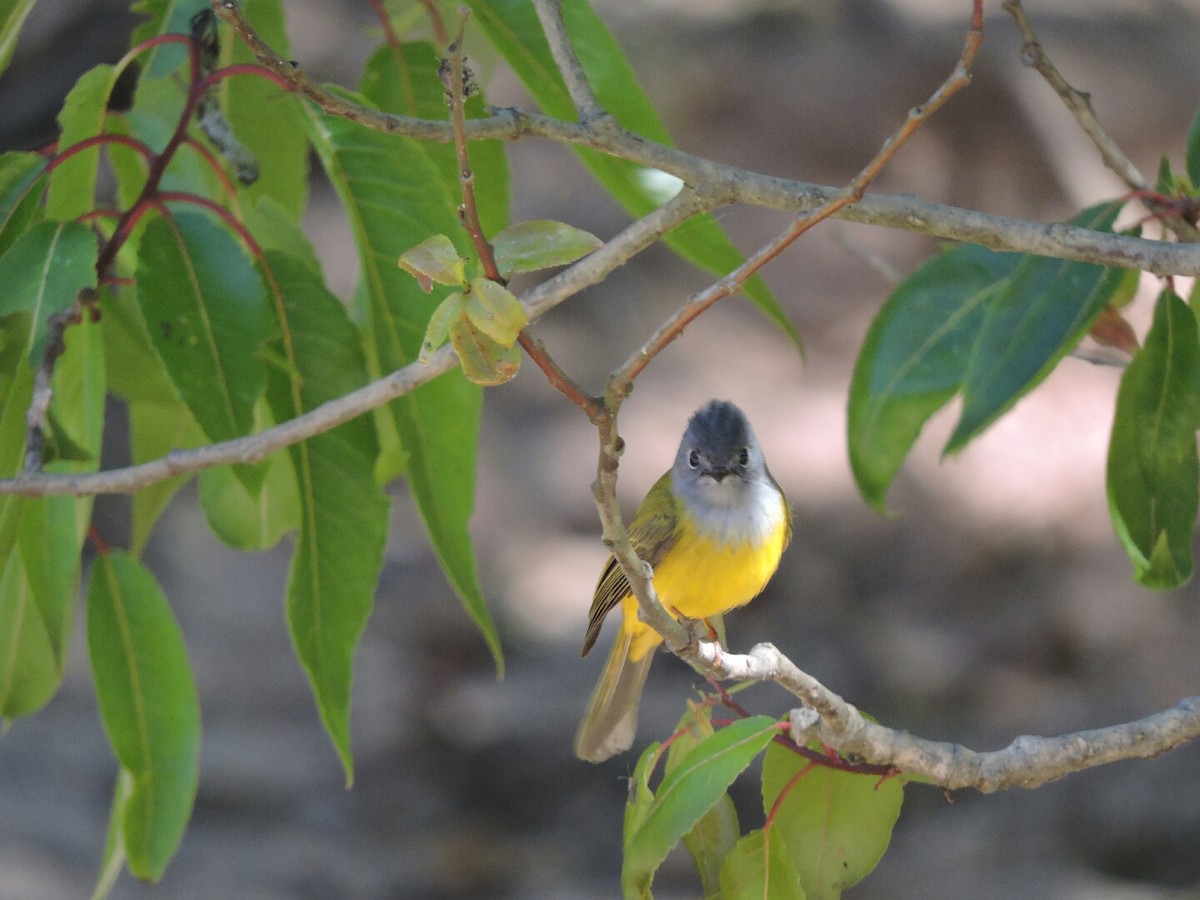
456 80
456 83
550 14
724 184
1078 102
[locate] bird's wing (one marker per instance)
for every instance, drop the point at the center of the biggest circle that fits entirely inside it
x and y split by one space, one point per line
653 533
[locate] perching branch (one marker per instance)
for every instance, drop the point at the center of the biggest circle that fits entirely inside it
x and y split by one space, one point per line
728 184
1029 761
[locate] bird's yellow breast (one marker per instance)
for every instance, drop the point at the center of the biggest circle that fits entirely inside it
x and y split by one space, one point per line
701 577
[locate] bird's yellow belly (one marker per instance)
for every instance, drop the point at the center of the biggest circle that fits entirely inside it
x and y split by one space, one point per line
701 578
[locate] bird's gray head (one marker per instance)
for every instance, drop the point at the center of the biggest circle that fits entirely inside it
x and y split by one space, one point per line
719 460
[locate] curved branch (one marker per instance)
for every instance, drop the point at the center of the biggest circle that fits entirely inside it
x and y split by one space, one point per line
1029 761
728 184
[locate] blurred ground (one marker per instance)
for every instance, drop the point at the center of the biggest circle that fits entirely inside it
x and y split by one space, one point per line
995 603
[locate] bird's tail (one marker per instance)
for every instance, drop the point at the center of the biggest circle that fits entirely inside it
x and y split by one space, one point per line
608 726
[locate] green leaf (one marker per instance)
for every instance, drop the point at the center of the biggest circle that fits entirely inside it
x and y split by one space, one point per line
394 200
155 429
687 793
12 17
44 271
1165 183
16 390
641 799
249 520
405 81
483 360
52 529
495 310
29 662
114 839
836 825
343 512
264 118
540 244
717 831
914 358
149 706
19 203
273 229
1152 462
1043 311
759 868
513 27
435 259
438 330
73 183
205 310
164 17
1192 157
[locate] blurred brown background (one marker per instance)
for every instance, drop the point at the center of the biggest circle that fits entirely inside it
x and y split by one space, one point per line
995 603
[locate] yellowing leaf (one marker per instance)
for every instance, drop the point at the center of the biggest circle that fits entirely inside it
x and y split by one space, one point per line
483 360
438 330
435 259
494 310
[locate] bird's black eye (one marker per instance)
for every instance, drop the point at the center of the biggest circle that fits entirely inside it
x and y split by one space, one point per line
693 459
744 456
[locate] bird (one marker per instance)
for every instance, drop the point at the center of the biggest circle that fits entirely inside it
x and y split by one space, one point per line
713 529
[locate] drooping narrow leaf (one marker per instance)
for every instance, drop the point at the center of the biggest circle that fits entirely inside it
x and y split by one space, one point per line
29 663
836 825
113 860
1043 311
149 706
73 183
1152 462
159 421
52 529
404 80
394 200
513 27
915 356
687 793
759 868
43 272
19 203
265 119
12 17
343 512
16 390
206 314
